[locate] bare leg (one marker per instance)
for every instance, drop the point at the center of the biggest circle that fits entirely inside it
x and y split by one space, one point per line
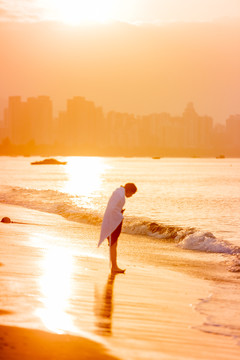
113 259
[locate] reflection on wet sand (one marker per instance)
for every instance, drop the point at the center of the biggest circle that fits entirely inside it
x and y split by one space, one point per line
55 285
104 306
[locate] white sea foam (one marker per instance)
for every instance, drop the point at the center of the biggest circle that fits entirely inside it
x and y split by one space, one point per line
234 264
206 242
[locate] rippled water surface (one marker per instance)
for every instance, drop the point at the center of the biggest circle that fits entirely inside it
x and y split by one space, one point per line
198 193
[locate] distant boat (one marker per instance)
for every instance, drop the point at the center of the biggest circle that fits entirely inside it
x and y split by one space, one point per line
220 157
49 162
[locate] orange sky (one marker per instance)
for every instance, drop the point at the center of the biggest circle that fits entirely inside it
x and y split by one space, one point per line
126 67
120 10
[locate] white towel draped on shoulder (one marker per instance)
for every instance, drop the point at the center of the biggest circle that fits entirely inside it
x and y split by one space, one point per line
113 215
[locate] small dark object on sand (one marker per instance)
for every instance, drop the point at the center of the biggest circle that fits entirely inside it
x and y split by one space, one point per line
6 220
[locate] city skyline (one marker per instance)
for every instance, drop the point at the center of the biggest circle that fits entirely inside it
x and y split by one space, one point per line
83 129
105 111
147 58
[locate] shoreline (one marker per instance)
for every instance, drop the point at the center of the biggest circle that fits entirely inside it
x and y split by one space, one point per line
149 312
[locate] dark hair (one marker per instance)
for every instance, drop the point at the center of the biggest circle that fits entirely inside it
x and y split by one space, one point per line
131 187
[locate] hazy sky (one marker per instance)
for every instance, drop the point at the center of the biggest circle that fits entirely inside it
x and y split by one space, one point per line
121 10
139 56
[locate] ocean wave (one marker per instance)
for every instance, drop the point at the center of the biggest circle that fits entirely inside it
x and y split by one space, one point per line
50 201
207 242
186 238
56 202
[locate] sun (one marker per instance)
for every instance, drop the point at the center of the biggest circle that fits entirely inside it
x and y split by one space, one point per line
76 12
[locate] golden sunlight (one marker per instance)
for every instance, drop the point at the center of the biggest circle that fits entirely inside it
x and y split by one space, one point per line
84 175
75 12
55 287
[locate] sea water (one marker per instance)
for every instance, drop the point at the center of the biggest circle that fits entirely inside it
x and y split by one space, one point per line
189 204
190 201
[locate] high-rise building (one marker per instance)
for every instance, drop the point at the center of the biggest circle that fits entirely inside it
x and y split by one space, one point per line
4 127
233 133
30 120
81 124
15 117
122 130
197 129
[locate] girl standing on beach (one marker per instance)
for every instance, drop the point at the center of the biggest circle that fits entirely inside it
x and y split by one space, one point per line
112 221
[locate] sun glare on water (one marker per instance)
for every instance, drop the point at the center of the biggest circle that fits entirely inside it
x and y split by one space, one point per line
76 12
84 175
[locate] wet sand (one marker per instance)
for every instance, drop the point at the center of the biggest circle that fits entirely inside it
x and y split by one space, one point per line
147 313
28 344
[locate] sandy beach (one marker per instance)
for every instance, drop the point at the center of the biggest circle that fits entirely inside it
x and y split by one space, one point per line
62 302
27 344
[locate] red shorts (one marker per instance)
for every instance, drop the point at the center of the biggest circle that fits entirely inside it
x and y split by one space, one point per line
115 234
